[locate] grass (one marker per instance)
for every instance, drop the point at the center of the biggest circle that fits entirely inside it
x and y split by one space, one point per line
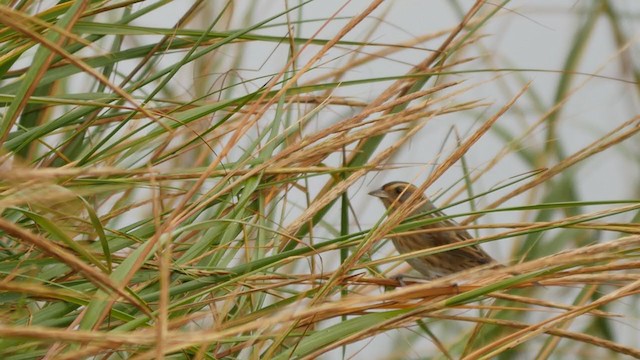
163 197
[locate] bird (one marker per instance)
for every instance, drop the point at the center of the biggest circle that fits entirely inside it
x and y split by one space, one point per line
433 266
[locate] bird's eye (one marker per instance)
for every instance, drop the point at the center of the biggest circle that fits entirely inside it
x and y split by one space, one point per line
398 190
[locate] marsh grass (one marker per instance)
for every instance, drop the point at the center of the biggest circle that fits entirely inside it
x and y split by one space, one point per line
158 201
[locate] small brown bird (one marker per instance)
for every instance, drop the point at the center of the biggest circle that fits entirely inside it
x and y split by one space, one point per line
432 266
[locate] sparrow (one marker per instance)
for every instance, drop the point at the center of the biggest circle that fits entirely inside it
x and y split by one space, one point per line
394 194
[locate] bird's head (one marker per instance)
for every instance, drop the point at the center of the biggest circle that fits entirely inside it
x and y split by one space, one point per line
395 193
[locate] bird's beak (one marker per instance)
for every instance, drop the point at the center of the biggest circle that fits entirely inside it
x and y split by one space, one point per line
379 194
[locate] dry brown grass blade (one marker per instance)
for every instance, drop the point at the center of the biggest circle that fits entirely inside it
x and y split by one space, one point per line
180 212
98 278
294 153
603 143
585 338
39 291
351 65
547 304
77 336
356 304
400 88
531 331
508 149
211 196
7 19
585 255
582 255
